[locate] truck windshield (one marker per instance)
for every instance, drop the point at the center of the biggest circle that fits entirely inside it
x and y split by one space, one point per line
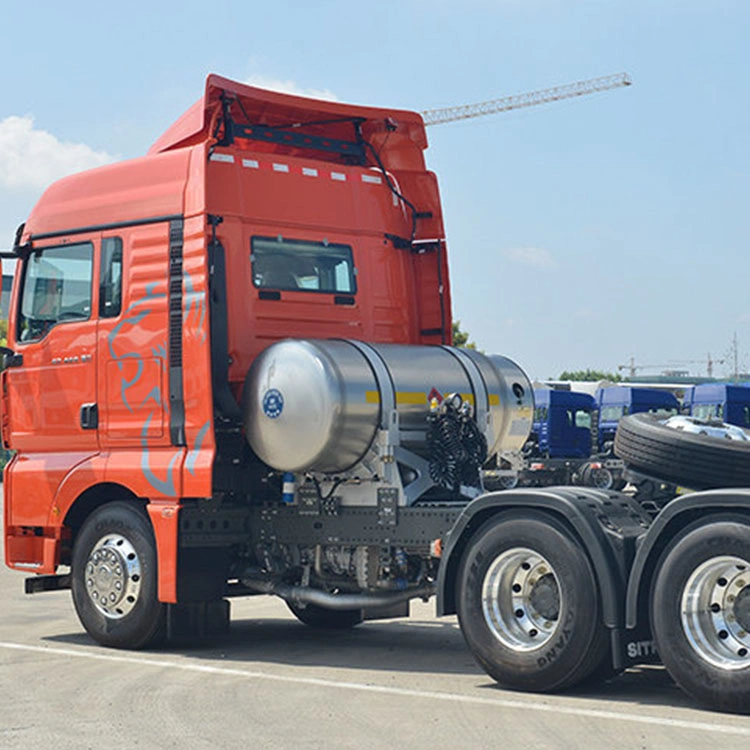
705 411
56 288
280 263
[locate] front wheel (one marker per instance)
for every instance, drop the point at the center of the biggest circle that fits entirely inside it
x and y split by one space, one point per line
700 614
114 579
528 604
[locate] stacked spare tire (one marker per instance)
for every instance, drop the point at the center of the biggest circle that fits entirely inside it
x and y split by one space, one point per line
700 454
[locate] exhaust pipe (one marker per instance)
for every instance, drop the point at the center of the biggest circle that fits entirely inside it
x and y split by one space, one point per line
365 600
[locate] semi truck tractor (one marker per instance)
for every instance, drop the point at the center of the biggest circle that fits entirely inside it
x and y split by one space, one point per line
229 373
613 403
573 433
562 446
725 402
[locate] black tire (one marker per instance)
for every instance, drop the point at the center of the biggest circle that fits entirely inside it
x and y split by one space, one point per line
574 644
697 461
116 546
675 623
326 619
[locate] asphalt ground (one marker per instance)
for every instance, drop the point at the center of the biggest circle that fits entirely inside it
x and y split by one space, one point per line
275 683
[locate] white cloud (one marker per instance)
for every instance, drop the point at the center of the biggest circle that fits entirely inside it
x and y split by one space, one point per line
531 256
289 87
33 158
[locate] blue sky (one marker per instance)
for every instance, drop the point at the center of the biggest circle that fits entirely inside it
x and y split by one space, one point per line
581 233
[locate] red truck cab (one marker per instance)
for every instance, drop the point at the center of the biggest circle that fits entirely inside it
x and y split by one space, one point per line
145 290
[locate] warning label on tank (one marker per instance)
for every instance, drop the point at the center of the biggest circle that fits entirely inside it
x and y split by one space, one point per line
273 403
434 393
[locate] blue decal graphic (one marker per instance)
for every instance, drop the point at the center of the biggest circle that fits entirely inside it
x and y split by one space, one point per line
132 319
195 309
167 486
192 456
273 403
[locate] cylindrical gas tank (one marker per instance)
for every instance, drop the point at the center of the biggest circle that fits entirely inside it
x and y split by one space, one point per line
315 405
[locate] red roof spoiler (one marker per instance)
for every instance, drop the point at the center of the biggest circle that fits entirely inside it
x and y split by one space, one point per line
271 108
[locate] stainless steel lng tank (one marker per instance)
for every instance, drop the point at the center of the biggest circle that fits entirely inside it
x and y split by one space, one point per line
315 405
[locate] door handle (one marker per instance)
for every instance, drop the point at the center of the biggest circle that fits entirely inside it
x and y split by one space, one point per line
89 416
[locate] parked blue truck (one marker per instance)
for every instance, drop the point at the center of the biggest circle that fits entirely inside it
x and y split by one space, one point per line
616 402
726 402
572 435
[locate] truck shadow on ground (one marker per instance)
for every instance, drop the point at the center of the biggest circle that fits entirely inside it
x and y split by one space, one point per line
394 646
401 646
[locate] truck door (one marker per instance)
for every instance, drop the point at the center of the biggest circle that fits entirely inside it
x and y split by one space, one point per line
51 380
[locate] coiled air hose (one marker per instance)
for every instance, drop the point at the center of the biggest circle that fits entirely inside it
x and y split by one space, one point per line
457 447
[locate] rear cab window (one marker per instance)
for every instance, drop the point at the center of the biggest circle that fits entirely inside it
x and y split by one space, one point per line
299 265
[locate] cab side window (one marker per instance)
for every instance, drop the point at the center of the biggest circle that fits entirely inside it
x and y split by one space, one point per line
110 283
56 289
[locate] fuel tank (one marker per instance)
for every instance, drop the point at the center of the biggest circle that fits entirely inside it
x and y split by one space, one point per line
316 405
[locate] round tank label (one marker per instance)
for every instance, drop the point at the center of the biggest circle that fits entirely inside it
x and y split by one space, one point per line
273 403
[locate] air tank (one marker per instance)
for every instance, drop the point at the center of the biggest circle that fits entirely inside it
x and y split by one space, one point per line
317 405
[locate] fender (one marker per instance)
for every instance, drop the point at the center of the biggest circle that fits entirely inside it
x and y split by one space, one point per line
163 511
606 524
678 514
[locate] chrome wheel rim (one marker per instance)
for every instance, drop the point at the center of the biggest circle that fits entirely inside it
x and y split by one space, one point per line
708 427
715 612
521 599
113 576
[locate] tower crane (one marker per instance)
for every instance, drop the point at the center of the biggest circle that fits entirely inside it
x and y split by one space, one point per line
529 99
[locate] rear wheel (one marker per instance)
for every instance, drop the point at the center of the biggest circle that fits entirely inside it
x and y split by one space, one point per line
114 579
326 619
700 613
528 604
